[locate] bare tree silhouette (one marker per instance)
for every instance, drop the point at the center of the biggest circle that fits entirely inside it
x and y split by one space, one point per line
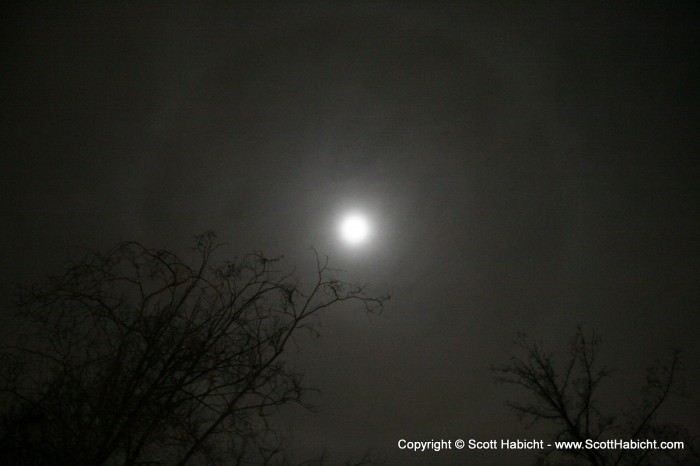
567 397
137 357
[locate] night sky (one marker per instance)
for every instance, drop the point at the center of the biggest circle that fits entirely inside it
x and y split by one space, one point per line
526 166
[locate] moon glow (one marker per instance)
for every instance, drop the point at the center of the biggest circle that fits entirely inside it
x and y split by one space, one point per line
354 229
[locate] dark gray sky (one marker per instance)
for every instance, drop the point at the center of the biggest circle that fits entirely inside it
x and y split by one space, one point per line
529 166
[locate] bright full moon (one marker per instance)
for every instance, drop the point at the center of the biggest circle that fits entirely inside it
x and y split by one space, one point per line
354 229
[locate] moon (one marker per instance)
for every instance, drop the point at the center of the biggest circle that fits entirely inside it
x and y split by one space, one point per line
354 229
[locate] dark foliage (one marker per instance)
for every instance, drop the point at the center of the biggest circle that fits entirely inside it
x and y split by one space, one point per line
137 357
567 397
